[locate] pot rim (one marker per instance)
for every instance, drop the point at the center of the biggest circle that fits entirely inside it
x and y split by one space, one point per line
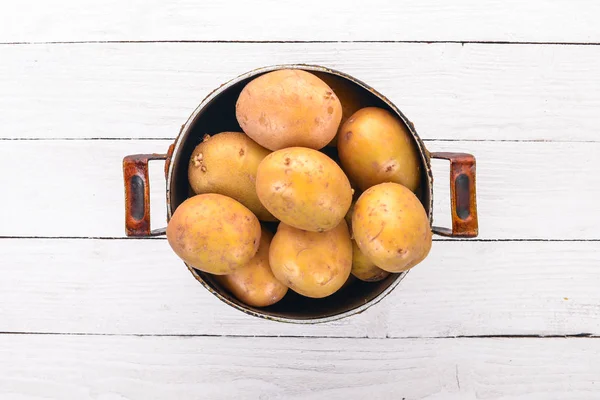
185 128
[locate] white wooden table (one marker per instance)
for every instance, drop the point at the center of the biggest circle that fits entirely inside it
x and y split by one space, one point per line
87 313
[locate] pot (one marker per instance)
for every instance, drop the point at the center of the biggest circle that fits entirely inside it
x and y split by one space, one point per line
216 113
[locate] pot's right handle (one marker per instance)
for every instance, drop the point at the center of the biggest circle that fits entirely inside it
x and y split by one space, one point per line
137 194
462 195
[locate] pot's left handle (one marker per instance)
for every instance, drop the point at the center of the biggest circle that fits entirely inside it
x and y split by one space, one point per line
137 195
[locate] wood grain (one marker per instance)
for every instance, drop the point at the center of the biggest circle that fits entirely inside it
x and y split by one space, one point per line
140 287
524 190
450 91
258 368
428 20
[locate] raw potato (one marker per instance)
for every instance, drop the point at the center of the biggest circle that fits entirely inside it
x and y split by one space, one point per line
254 284
374 147
303 188
214 233
226 163
349 97
391 227
363 268
312 264
287 108
348 218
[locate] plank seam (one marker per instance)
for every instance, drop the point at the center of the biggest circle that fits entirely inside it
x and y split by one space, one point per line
133 139
497 336
8 237
461 42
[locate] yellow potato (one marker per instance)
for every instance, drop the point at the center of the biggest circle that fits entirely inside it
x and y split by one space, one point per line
254 283
303 188
287 108
312 264
348 94
375 146
214 233
363 268
226 163
391 227
348 218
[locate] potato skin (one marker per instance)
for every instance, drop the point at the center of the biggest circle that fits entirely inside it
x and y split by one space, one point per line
348 218
254 284
363 268
287 108
214 233
312 264
391 227
374 147
303 188
350 98
226 163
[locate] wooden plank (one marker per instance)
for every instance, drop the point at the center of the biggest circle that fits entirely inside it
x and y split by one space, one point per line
69 367
140 287
429 20
449 91
75 188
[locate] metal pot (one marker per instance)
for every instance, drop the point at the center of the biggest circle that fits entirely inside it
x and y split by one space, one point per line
215 114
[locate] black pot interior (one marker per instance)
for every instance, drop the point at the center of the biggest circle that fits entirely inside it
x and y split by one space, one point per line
219 116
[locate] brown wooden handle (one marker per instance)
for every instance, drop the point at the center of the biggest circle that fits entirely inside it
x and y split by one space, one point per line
137 194
462 195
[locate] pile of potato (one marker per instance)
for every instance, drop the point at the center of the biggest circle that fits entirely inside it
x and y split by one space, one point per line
274 171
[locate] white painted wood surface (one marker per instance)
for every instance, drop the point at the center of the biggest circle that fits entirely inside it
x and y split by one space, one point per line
86 313
450 91
268 20
74 367
462 288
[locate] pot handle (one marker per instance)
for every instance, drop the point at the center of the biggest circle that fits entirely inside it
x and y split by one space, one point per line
463 200
137 195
